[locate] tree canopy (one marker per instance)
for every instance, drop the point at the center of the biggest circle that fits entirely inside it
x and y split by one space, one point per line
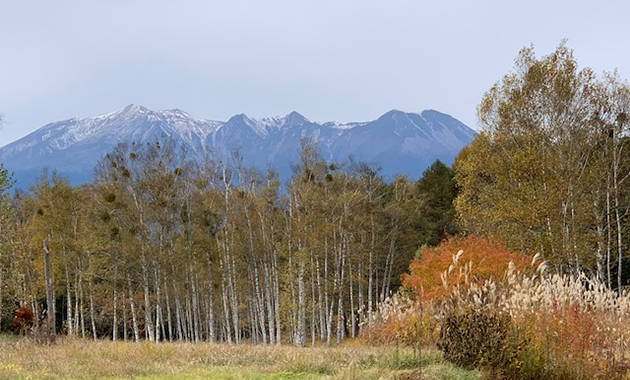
548 171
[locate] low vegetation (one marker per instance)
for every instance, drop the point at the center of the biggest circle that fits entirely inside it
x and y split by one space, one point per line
84 359
528 324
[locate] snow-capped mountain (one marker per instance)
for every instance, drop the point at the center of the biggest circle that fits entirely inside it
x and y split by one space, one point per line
399 142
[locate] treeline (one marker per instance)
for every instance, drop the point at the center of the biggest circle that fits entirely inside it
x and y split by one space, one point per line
543 293
161 247
550 171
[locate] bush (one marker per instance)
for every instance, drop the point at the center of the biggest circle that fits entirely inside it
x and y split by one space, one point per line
484 339
437 270
510 319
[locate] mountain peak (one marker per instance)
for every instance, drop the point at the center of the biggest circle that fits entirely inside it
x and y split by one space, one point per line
240 118
393 114
295 118
133 109
395 118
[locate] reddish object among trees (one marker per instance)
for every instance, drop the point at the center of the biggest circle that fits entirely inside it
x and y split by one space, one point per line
490 259
23 319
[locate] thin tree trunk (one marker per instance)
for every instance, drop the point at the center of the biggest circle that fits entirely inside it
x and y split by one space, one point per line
340 307
352 316
77 294
361 300
224 295
231 261
313 319
169 314
69 298
195 305
115 321
50 298
124 307
148 322
617 219
159 327
268 297
189 322
259 303
178 315
268 280
600 240
609 235
328 301
320 303
389 264
82 309
371 269
134 320
277 302
210 310
92 314
300 338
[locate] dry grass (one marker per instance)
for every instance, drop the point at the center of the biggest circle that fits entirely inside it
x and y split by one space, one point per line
586 331
79 359
566 326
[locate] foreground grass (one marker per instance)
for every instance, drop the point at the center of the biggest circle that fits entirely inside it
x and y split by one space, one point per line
82 359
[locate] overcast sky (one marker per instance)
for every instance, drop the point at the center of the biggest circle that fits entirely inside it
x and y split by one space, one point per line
329 60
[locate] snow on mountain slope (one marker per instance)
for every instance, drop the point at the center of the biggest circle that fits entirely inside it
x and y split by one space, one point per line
399 142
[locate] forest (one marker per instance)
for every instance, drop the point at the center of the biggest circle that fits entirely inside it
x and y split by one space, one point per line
529 228
162 248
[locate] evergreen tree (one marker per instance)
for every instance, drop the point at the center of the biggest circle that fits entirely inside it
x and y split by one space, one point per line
437 191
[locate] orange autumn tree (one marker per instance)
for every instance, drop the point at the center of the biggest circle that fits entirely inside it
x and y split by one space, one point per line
490 258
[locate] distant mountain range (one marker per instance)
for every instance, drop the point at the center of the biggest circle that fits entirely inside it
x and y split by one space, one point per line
399 142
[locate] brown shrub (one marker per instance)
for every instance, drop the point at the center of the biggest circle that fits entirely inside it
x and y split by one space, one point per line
23 319
482 338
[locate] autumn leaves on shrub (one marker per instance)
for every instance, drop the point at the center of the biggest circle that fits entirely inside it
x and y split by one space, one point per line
508 314
409 317
403 319
436 271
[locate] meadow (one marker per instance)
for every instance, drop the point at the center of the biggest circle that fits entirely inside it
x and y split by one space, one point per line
21 358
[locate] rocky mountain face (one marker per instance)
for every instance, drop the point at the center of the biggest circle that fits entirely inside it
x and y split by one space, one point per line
399 142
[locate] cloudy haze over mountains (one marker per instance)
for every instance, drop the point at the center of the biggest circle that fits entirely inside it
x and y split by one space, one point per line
399 142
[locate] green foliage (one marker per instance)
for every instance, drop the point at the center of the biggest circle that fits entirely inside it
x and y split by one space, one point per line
437 190
6 179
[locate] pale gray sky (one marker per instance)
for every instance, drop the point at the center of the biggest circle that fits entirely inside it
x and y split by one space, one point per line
329 60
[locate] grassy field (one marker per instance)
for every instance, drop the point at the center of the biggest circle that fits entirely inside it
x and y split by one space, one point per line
78 359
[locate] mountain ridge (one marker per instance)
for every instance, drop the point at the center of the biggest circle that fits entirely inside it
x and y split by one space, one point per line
400 142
